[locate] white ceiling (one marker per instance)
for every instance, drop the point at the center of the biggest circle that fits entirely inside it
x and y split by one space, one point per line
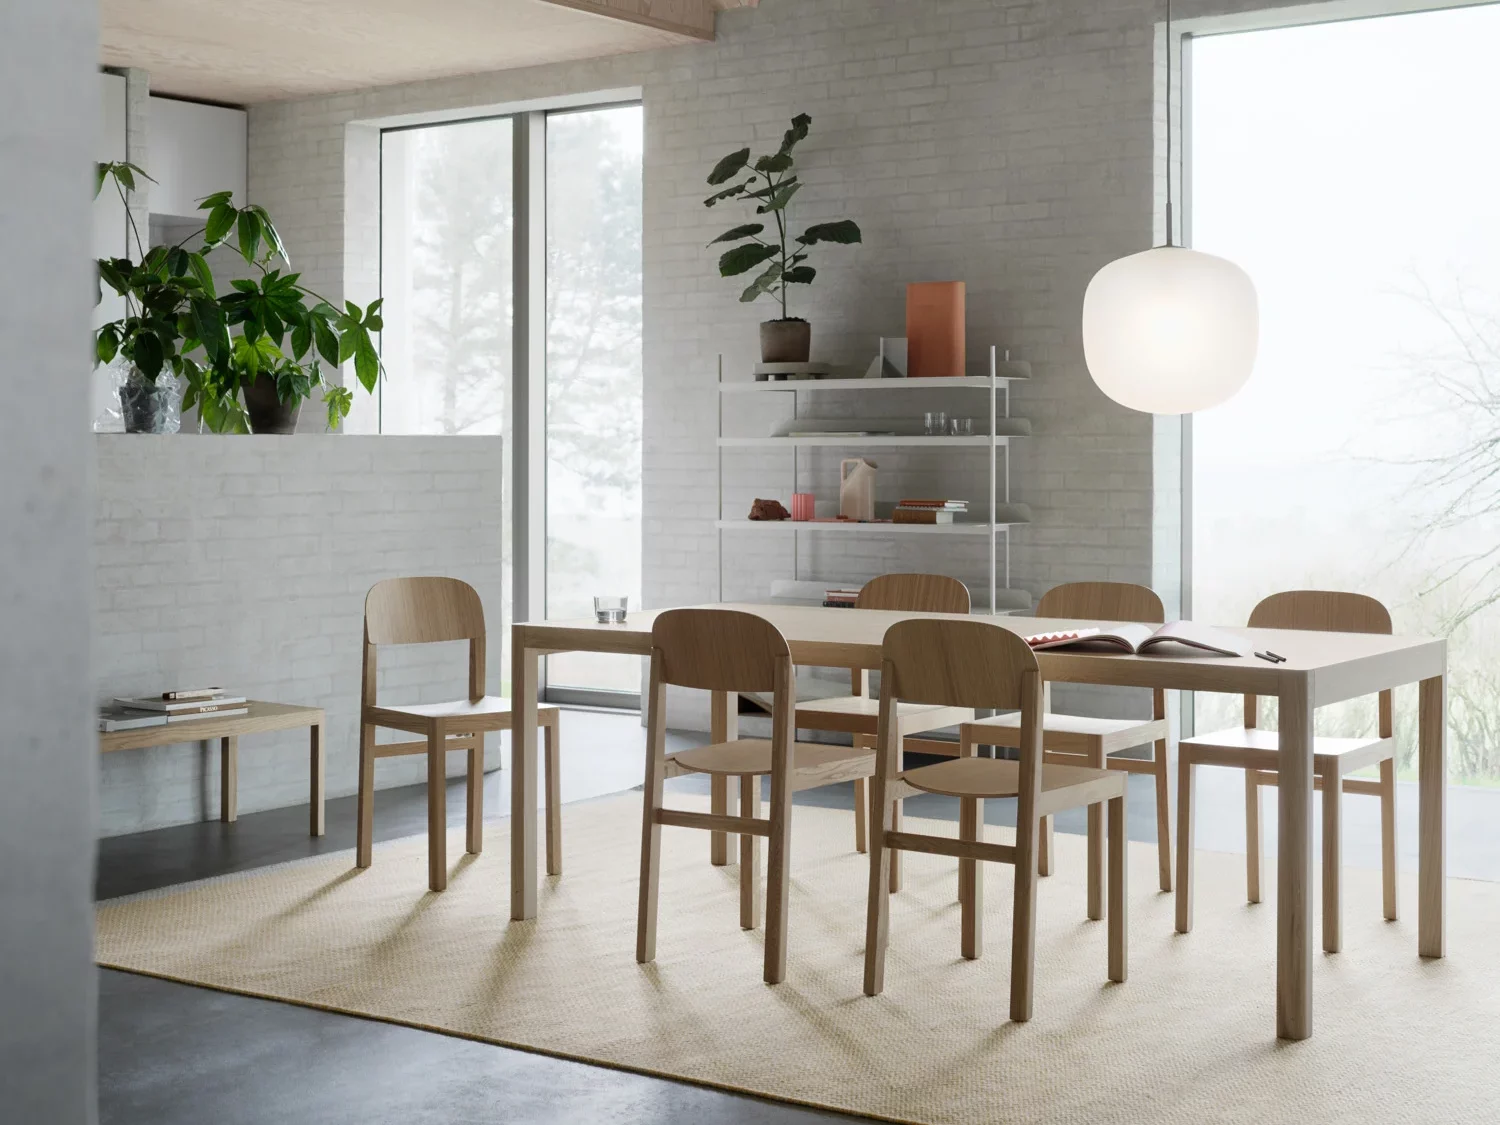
244 51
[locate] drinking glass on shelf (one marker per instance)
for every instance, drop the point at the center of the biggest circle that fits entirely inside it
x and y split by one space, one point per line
610 610
935 421
961 427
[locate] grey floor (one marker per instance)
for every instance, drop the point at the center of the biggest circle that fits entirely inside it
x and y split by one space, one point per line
171 1054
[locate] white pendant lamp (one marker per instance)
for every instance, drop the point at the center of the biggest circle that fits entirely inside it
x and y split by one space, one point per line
1170 330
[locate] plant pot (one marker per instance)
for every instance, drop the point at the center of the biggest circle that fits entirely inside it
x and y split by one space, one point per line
785 341
151 408
267 413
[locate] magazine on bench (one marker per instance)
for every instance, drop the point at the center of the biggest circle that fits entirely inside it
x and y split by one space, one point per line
1143 639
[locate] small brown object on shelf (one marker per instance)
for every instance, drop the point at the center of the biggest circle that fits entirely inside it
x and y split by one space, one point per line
935 329
769 510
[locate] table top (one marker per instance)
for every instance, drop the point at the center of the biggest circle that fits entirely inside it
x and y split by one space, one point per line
259 716
1337 665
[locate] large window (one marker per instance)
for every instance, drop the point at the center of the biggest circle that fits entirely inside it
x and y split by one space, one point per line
449 210
593 378
1351 169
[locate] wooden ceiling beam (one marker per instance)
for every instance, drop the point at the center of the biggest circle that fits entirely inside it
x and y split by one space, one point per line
693 18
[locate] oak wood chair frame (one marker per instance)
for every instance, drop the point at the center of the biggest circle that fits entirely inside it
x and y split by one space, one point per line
404 611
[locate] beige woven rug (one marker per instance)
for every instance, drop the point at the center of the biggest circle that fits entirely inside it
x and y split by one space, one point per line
1189 1038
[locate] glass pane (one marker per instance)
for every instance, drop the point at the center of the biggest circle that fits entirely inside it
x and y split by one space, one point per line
1360 456
593 378
445 258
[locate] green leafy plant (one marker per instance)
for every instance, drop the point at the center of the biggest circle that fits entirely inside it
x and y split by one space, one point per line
770 183
269 327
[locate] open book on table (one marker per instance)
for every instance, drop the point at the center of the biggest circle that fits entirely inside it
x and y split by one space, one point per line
1143 639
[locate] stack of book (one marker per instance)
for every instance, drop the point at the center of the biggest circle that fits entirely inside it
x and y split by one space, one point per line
929 511
170 707
840 597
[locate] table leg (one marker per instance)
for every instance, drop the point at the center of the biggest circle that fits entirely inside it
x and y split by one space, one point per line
316 825
525 670
725 727
1294 861
1432 787
229 778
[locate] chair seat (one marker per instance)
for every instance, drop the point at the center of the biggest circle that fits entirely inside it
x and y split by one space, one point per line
1257 748
1063 787
1071 734
859 714
492 712
814 763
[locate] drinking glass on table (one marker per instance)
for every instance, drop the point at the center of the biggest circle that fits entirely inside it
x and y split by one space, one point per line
610 610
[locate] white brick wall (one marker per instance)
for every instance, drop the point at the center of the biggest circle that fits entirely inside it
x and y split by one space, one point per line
244 561
1007 143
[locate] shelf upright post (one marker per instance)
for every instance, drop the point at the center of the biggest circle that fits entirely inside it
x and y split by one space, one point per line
994 437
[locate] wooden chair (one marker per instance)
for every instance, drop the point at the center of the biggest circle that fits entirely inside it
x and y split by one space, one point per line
980 664
859 715
1257 752
1080 740
727 650
404 611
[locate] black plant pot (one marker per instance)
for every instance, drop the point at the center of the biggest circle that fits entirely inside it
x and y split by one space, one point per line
785 341
268 414
150 408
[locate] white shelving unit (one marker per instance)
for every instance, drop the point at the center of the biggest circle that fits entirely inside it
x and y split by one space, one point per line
1002 513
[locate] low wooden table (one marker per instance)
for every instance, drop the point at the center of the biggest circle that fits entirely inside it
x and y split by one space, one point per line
260 717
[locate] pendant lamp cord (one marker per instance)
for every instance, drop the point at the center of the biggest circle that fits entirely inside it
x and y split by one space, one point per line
1169 122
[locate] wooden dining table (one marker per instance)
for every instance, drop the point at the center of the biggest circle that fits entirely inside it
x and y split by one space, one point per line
1320 669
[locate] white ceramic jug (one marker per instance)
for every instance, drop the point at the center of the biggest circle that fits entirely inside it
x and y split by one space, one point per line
857 489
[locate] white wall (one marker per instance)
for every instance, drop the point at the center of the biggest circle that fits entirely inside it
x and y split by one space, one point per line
244 562
196 150
49 111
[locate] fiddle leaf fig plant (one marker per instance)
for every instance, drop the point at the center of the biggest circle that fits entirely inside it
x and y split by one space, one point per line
769 184
269 327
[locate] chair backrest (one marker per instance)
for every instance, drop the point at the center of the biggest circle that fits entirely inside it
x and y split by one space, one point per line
958 664
914 593
1103 601
718 650
1325 611
409 611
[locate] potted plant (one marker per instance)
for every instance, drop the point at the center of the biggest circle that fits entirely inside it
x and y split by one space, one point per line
264 342
770 183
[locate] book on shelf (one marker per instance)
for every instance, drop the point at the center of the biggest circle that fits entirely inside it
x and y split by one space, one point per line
1143 640
113 717
840 597
168 706
210 713
936 505
193 693
921 515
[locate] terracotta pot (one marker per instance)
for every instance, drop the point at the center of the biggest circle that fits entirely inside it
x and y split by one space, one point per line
785 341
268 414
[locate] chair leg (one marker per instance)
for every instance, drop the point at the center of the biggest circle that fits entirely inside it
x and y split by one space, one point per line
1185 812
1023 923
364 830
1388 835
437 809
474 820
861 814
966 749
878 912
645 919
895 857
1119 923
1254 850
552 783
971 877
1044 847
749 855
778 877
1333 861
1161 753
1095 841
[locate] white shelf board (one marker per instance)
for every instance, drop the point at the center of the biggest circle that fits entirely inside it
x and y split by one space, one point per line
771 527
978 441
979 382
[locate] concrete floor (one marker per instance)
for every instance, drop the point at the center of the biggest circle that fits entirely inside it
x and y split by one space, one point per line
171 1053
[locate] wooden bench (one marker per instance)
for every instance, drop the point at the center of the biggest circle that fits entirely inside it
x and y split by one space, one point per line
260 718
